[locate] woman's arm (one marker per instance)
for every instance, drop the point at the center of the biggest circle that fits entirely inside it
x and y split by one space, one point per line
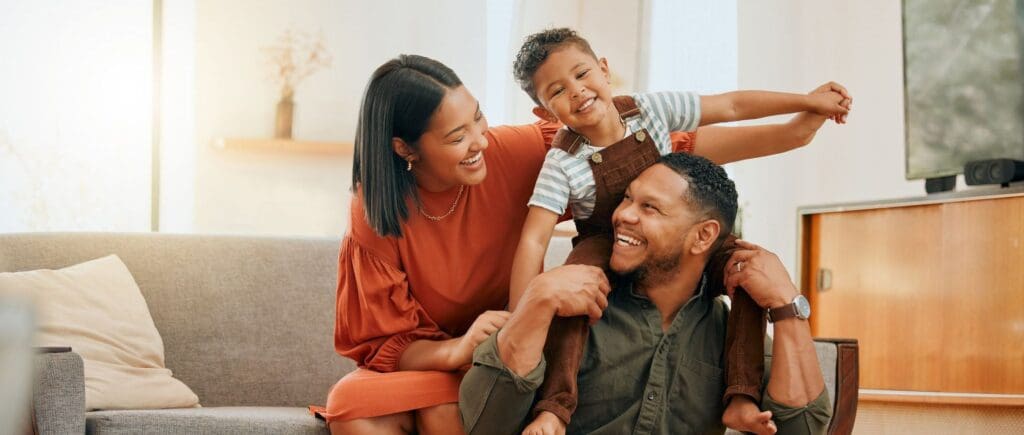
430 355
452 354
731 144
533 245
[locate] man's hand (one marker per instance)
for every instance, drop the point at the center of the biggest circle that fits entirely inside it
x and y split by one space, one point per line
761 274
485 324
571 290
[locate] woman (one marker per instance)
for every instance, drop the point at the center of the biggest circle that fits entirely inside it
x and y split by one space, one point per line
424 268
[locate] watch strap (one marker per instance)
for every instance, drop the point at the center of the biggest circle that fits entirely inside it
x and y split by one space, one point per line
782 313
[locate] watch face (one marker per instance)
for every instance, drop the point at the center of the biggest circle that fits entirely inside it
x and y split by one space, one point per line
803 307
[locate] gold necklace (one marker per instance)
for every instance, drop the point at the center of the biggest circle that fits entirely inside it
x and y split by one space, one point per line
450 210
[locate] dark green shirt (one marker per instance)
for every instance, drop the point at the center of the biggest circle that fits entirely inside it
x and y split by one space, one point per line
634 378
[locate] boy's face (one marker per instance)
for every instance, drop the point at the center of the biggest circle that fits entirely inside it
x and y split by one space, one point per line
573 87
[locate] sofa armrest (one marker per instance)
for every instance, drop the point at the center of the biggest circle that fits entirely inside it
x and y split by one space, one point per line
58 397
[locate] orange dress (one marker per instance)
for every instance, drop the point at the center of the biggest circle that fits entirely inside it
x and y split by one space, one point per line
432 283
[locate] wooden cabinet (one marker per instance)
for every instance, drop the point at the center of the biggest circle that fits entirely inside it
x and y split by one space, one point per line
933 288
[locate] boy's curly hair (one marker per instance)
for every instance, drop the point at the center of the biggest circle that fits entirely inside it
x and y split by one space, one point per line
535 51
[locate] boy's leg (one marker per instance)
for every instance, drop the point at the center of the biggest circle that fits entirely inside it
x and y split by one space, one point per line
563 352
567 337
744 336
744 348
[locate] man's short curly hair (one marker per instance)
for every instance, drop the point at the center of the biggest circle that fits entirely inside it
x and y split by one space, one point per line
535 51
710 188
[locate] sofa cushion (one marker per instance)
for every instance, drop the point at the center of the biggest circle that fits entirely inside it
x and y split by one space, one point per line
96 308
217 420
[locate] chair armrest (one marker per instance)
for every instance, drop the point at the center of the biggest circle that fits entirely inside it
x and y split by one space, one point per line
847 385
58 397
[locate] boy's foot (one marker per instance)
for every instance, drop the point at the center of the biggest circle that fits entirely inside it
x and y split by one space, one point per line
743 415
546 423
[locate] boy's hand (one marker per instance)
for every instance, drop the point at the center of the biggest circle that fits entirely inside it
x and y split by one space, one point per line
847 101
828 104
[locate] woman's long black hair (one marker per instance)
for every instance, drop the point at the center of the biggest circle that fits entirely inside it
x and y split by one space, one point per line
399 101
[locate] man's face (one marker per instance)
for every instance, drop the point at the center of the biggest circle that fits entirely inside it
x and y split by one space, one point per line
653 222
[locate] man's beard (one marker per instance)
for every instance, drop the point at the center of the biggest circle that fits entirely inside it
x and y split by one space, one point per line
654 271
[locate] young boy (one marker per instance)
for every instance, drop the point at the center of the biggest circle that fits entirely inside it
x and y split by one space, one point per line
606 143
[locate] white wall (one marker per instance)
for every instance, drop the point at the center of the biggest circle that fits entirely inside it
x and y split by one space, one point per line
178 148
295 194
692 46
75 115
796 45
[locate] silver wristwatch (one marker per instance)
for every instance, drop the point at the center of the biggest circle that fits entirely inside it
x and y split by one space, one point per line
799 308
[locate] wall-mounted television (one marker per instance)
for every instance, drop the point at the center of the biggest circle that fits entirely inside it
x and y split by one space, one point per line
963 83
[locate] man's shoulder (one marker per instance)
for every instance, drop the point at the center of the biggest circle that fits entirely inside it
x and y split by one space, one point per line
719 308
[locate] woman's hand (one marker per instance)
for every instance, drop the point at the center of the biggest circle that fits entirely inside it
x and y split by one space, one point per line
486 324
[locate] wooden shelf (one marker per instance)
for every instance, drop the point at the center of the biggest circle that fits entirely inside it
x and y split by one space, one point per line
937 398
286 146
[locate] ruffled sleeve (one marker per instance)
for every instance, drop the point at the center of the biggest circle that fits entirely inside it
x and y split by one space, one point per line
377 316
683 141
548 130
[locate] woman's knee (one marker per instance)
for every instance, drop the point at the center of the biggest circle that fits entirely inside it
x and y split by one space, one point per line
396 424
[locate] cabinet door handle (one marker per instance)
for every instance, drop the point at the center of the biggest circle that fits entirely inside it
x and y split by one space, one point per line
824 279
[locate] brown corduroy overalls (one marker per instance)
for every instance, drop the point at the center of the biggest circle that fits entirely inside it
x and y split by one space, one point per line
614 168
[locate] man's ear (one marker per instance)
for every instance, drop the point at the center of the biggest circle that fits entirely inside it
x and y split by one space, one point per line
544 114
706 234
402 149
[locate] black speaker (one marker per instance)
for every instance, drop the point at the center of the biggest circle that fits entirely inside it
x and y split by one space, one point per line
995 171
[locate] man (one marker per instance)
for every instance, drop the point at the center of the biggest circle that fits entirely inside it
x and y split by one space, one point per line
653 362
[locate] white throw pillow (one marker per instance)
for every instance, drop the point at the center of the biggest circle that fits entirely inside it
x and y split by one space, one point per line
96 308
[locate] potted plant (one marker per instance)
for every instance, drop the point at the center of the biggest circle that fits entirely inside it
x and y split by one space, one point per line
294 57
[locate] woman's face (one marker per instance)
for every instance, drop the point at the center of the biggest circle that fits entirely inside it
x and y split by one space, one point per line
451 151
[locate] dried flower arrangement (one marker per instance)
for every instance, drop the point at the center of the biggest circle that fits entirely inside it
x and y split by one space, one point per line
295 56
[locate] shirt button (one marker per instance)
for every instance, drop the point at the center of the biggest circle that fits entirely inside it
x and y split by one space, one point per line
640 136
652 396
596 157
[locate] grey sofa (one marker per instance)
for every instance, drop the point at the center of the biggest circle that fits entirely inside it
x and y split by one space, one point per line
247 323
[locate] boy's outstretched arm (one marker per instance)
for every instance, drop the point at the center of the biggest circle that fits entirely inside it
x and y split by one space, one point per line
533 245
731 144
741 105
